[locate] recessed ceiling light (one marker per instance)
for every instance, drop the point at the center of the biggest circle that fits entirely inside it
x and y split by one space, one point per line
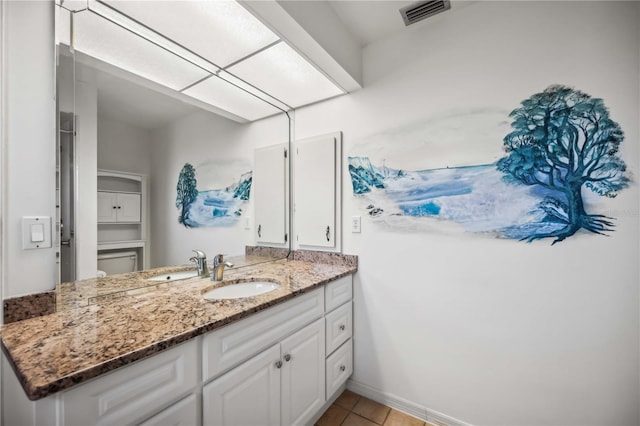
283 73
221 31
221 94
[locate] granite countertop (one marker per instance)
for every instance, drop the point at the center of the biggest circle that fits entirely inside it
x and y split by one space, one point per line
104 323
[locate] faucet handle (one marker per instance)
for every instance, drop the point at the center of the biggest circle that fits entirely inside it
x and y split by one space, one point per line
200 254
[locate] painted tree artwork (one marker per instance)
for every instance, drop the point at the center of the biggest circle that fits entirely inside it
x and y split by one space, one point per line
564 140
187 193
561 153
212 207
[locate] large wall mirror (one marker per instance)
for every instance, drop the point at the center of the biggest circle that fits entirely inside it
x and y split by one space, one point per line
161 106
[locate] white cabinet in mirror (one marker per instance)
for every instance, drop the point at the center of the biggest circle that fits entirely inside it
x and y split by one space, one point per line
122 213
271 195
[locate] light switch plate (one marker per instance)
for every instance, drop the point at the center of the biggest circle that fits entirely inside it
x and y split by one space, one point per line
36 232
356 224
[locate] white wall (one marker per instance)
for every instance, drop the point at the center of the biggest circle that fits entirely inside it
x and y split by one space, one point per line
195 139
29 166
123 147
493 331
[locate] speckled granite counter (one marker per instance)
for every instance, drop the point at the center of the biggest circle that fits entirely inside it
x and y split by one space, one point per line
96 330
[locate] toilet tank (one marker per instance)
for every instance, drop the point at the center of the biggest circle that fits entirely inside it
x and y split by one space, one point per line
118 262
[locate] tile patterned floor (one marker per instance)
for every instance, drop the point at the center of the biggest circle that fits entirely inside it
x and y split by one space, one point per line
351 409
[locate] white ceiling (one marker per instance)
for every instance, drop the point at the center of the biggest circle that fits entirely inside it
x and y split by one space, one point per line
370 20
124 101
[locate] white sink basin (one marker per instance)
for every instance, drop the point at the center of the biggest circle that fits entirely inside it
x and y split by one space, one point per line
174 276
240 290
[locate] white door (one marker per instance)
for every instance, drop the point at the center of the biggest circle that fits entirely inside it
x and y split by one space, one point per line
128 207
303 375
270 194
247 395
315 191
107 207
66 199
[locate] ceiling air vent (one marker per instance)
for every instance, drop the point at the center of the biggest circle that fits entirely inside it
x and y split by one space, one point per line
423 9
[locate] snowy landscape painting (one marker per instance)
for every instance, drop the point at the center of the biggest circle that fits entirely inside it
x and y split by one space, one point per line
211 207
560 157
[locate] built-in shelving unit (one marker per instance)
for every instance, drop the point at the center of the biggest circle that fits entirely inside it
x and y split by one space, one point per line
122 215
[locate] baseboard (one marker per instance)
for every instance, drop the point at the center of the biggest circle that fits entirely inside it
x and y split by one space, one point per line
404 405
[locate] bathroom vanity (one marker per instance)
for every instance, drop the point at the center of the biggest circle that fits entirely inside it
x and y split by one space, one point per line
162 354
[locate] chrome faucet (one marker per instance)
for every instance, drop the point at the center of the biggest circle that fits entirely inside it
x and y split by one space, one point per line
200 260
218 267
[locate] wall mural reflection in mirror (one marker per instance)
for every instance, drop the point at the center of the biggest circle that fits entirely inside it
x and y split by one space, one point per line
211 207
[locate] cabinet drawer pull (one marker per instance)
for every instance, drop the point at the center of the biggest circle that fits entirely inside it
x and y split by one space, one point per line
342 327
259 231
342 368
328 233
278 364
287 357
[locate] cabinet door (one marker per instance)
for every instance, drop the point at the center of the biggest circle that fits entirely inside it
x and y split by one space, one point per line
315 191
128 207
107 207
303 374
247 395
182 413
270 194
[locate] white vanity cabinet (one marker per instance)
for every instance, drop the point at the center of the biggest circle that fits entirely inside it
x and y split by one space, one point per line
282 385
279 366
185 412
339 333
135 392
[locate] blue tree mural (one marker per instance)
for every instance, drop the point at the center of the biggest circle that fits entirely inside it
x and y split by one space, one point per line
563 140
187 192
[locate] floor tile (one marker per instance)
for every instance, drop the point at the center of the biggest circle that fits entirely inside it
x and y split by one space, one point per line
397 418
355 420
347 400
371 410
335 415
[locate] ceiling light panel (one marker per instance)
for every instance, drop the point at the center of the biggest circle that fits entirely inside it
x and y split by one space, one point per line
283 73
101 39
249 88
150 35
228 97
221 31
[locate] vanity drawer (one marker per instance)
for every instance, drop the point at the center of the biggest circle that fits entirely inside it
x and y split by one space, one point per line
338 292
134 392
338 327
182 413
339 367
229 346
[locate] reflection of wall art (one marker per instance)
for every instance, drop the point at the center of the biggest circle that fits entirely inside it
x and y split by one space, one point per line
561 155
213 207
